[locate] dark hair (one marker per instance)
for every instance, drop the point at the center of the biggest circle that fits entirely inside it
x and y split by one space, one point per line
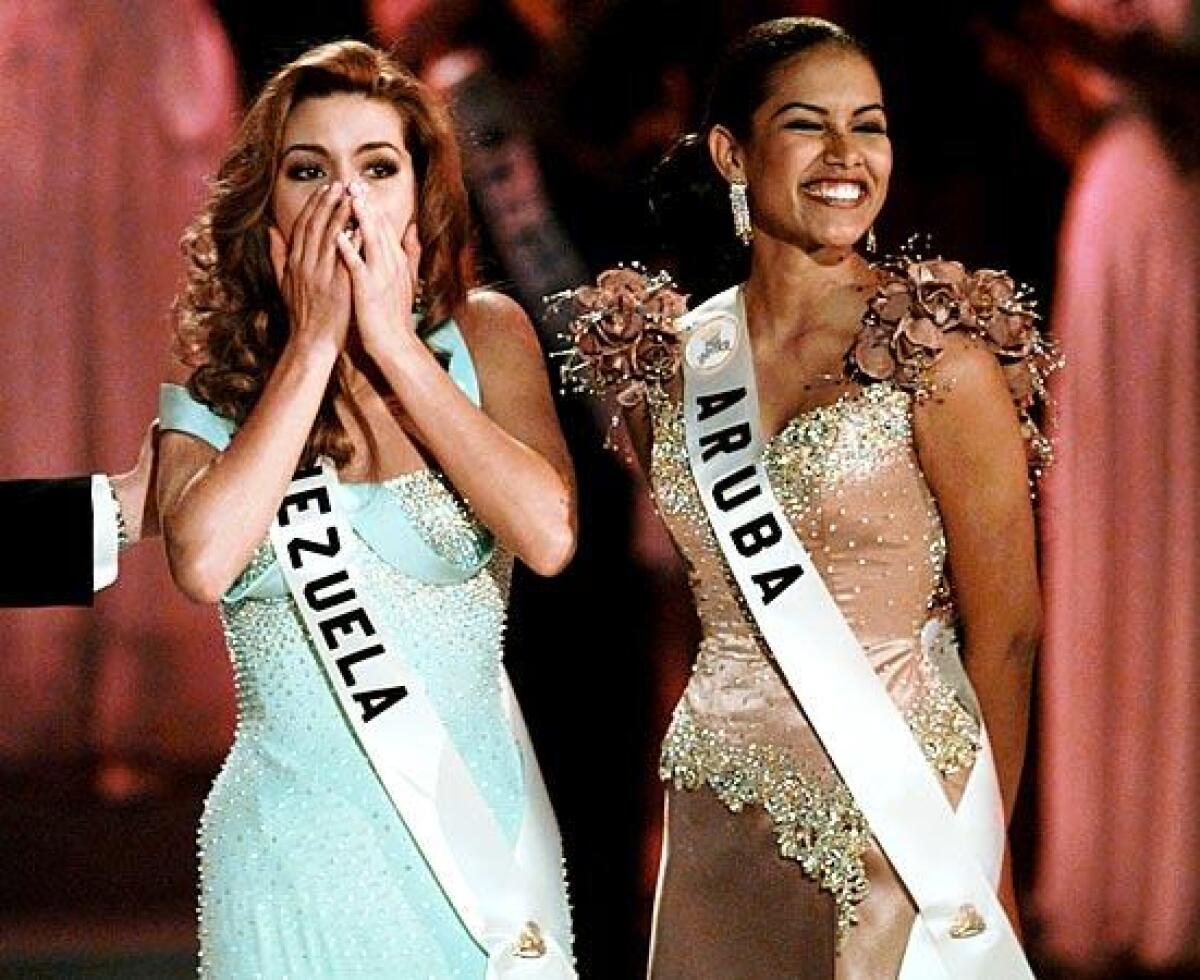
231 321
688 196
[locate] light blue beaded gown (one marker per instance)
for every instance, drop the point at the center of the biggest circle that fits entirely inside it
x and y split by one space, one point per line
306 869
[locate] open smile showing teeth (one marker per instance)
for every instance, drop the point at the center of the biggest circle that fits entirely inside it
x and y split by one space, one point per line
837 193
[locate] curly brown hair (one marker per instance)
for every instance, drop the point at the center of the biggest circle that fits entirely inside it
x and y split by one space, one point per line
231 322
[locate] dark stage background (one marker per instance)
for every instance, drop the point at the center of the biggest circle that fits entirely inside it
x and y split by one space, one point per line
111 114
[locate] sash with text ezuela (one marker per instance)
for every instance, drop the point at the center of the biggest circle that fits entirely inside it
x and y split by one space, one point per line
507 897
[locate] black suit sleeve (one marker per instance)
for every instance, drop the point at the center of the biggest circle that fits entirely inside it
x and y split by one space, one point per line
46 554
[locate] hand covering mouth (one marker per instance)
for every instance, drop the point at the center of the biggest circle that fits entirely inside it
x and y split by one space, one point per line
354 234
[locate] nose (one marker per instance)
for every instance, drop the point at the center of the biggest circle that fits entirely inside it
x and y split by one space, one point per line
841 149
334 180
341 174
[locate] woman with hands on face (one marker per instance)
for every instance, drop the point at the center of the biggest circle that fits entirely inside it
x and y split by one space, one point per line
328 316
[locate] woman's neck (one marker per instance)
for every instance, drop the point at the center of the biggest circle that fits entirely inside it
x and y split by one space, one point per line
788 284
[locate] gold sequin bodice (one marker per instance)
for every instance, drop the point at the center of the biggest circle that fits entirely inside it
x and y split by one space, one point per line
848 479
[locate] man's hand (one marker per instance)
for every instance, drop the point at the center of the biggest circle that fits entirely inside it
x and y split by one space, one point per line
136 490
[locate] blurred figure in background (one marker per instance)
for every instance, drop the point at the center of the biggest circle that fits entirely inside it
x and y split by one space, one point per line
1115 93
111 115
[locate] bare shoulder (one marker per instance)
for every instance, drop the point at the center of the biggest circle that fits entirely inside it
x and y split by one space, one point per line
965 372
495 327
507 356
966 427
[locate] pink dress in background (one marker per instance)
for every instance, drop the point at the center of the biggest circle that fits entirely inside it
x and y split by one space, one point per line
1119 752
112 114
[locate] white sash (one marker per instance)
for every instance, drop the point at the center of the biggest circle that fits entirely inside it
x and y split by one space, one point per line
509 900
949 862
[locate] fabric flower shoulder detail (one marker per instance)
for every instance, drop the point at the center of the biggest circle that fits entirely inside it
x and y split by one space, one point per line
919 301
624 334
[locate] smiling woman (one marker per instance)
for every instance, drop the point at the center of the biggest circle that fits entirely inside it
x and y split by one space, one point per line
813 57
819 169
346 395
841 460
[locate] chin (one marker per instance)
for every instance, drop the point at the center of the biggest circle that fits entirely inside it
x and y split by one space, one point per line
838 238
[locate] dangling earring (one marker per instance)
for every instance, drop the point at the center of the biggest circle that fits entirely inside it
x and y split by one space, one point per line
871 244
741 211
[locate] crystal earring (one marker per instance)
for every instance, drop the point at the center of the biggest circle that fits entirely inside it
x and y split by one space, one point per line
741 211
871 244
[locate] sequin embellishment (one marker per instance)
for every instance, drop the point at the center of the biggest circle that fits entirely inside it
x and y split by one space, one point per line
441 516
817 823
816 450
306 868
948 735
849 481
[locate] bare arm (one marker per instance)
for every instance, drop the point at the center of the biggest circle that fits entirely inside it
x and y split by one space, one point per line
973 455
216 508
508 460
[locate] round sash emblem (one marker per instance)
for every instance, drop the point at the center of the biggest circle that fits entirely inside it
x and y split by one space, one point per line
711 342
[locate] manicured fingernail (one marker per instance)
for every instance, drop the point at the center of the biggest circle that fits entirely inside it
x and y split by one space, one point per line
357 189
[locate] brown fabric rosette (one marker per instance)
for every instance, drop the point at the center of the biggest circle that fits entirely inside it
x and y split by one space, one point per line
919 301
624 334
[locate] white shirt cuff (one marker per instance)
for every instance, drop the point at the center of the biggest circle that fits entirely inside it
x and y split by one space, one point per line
104 533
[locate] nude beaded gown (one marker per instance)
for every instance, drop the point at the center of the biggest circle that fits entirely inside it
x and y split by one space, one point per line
769 869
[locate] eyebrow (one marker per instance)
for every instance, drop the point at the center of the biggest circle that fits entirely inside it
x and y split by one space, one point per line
822 111
321 151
